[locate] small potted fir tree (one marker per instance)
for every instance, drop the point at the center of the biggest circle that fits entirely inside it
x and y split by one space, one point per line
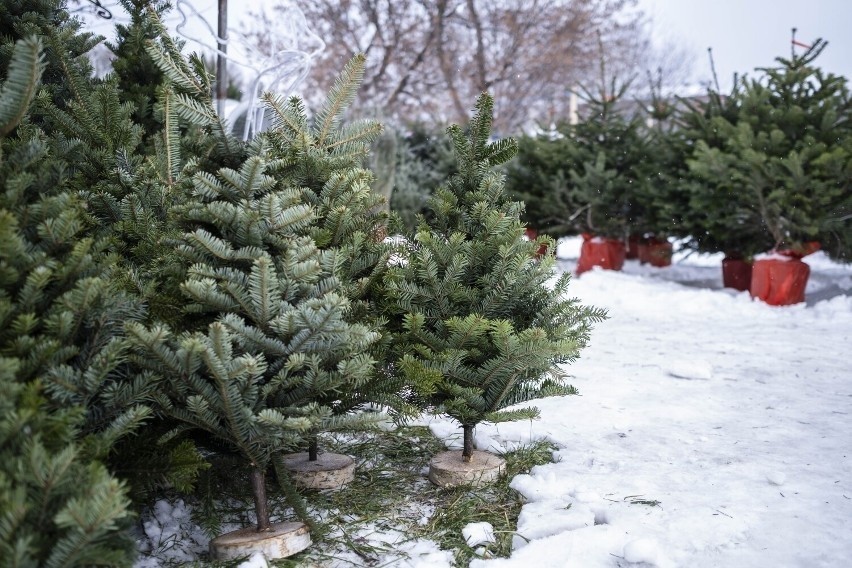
479 320
715 215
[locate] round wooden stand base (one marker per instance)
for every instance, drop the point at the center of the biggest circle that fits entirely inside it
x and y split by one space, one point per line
283 540
448 469
329 471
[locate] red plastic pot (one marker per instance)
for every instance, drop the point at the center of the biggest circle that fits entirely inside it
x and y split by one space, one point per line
656 253
597 251
736 273
779 281
531 235
632 252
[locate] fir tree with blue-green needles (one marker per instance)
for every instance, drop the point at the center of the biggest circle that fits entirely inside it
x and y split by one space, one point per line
481 320
279 343
322 157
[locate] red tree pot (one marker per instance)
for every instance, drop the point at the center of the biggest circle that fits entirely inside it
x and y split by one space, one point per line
597 251
656 253
632 252
779 281
736 273
531 235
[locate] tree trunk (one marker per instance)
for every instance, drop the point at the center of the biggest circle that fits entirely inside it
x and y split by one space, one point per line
467 452
258 485
313 448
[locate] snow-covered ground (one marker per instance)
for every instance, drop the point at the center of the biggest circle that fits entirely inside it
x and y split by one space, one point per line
711 430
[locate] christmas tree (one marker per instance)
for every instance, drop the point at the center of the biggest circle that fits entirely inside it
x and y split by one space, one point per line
784 158
606 155
323 159
138 75
424 160
479 317
289 361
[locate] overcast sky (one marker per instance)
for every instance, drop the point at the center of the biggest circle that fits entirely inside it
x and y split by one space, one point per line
745 34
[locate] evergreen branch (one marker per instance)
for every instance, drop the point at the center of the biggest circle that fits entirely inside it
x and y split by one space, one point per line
21 84
339 97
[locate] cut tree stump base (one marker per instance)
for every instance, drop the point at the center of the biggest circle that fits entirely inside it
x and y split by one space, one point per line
329 471
448 469
283 540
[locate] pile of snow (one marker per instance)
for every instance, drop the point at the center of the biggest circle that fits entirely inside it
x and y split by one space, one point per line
711 430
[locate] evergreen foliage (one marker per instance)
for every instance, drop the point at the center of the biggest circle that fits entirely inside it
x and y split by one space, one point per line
783 155
66 397
279 345
424 160
606 156
540 177
322 158
714 218
138 75
479 318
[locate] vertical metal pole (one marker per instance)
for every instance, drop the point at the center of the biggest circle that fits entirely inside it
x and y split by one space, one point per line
221 62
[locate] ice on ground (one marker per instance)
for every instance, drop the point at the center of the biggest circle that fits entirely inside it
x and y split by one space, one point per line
478 533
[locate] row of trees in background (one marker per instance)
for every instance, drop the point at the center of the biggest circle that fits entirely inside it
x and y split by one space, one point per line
170 295
766 166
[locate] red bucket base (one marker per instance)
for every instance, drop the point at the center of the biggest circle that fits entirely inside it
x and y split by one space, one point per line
779 282
606 253
532 234
736 274
656 253
632 252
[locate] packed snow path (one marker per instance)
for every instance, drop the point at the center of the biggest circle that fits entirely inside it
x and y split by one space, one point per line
711 430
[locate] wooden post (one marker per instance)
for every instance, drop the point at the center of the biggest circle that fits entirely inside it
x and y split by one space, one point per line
221 61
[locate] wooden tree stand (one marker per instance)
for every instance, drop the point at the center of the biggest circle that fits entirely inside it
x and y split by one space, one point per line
328 471
448 469
281 541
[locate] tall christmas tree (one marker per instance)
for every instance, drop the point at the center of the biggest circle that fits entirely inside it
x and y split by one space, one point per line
480 318
783 156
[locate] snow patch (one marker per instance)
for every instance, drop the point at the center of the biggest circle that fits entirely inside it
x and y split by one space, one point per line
478 533
257 560
641 550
